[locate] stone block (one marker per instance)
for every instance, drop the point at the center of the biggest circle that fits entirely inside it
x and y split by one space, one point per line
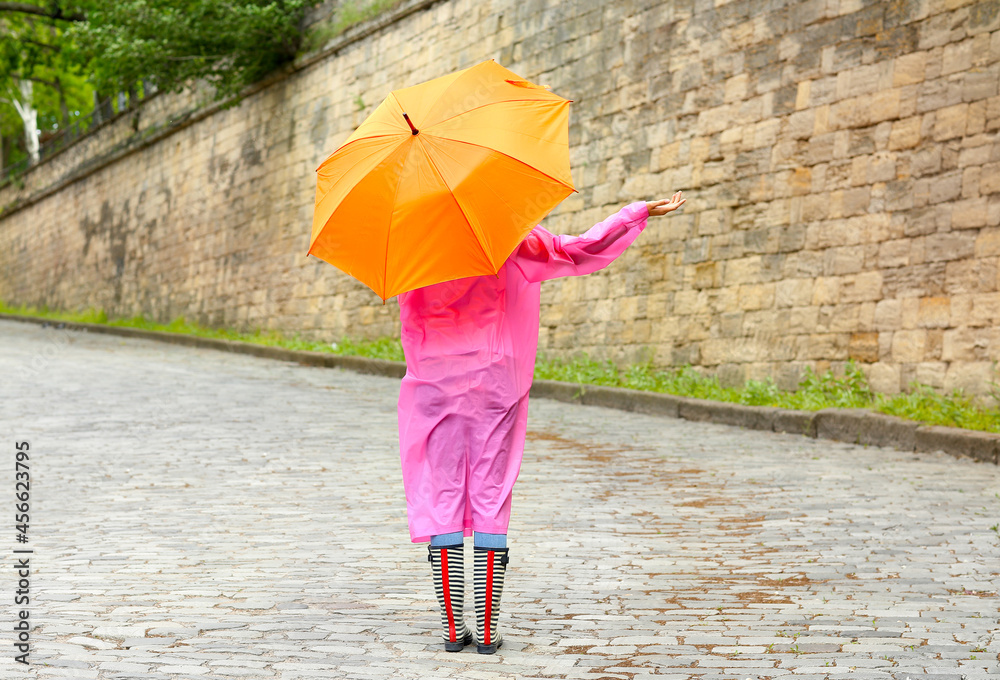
822 346
706 275
949 122
844 260
793 422
894 253
945 187
911 308
881 168
979 84
957 57
970 276
863 347
965 344
614 397
742 270
969 376
826 290
989 181
970 185
856 201
949 246
987 242
715 119
842 425
801 124
931 373
934 312
851 113
908 69
888 315
982 446
879 429
756 296
793 292
884 377
985 310
861 287
909 346
802 320
885 105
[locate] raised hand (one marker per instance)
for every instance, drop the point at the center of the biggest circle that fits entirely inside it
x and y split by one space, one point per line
665 206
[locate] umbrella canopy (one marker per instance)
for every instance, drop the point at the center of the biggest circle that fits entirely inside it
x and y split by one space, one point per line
443 180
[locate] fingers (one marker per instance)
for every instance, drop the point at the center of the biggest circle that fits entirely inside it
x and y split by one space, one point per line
663 206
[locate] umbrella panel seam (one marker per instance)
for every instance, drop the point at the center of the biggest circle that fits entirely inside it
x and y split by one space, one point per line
351 143
483 106
388 231
490 188
461 209
516 160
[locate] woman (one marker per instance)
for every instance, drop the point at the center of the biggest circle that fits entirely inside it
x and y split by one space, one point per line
470 349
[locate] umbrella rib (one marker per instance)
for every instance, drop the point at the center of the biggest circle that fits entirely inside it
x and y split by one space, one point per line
483 106
516 160
336 183
488 186
388 231
451 191
337 153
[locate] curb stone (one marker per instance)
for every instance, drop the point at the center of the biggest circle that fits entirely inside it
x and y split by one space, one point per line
856 426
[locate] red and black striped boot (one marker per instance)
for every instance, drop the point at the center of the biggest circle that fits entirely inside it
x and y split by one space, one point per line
490 565
448 568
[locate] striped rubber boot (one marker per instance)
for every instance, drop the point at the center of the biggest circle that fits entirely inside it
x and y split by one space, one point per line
448 569
490 565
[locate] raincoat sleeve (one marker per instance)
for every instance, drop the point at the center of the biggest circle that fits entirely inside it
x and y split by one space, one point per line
543 255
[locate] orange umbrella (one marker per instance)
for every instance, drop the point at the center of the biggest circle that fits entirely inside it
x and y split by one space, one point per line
443 180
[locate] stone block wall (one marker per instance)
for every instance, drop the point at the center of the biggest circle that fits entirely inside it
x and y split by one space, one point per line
841 161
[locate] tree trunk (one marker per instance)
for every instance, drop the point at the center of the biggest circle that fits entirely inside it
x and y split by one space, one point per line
102 109
63 106
29 115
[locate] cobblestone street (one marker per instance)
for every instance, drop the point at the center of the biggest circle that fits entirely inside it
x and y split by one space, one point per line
196 513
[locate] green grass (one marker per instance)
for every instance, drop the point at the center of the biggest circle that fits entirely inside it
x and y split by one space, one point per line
383 348
851 390
922 403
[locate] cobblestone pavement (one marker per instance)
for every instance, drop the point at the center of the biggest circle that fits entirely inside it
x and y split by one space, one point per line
201 514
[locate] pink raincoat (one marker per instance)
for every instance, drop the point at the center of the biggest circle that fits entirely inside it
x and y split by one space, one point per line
470 358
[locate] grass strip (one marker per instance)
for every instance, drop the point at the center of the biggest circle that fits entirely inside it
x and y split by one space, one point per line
815 391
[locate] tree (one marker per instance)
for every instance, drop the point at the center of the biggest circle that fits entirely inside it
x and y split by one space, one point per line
35 67
73 54
228 43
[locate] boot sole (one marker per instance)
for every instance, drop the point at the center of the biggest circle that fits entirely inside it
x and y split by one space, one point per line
458 646
489 649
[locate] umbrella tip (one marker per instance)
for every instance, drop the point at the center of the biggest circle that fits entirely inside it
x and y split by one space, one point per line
415 130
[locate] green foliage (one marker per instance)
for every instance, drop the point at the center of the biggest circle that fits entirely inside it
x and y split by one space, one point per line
353 12
34 49
760 393
68 49
172 42
851 390
825 391
957 409
382 348
348 14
